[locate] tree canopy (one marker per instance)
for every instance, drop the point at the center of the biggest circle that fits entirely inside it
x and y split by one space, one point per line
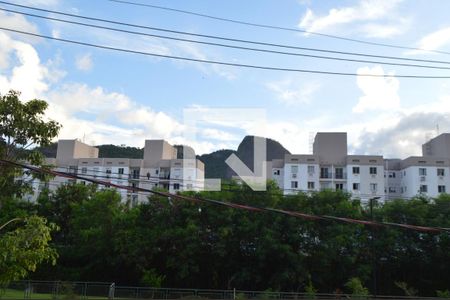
173 243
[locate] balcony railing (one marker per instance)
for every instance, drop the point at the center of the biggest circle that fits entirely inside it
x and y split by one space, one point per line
333 176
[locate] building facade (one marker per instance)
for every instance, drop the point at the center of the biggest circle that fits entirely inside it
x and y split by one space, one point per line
330 167
365 176
159 168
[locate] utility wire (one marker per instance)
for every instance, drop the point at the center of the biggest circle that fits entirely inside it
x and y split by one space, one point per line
224 45
269 68
156 179
56 184
224 38
233 205
275 27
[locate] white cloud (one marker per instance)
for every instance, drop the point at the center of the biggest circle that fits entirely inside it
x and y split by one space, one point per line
198 53
56 33
433 41
84 62
292 91
379 93
373 30
18 22
39 2
365 12
29 76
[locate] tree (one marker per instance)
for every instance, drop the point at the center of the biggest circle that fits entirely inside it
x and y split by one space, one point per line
22 125
24 248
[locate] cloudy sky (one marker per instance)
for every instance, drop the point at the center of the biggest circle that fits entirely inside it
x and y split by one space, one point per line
102 96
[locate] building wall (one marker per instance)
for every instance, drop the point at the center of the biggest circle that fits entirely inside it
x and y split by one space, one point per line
412 181
438 146
298 172
331 147
159 169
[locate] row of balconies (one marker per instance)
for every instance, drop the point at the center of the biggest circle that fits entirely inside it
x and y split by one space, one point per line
330 175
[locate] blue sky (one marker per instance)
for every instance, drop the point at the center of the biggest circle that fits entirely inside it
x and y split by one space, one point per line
109 97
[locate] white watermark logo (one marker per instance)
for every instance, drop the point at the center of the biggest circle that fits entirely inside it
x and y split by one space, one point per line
247 119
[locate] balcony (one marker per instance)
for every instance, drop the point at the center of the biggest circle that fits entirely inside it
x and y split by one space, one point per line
338 176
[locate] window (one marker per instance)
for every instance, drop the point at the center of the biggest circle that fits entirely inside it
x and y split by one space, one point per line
422 172
135 174
356 186
108 173
83 170
121 171
355 170
441 188
189 186
373 170
423 188
294 184
391 174
176 186
373 160
73 169
294 169
156 171
294 175
392 190
324 173
339 186
339 173
310 185
440 172
276 172
373 187
95 170
311 169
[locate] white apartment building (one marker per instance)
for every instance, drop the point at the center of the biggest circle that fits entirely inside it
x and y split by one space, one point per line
427 175
330 167
159 168
365 176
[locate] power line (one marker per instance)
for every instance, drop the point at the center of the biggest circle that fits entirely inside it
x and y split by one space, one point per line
156 179
234 205
224 38
56 184
224 45
221 62
276 27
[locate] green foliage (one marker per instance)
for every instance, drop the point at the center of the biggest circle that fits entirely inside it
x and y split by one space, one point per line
310 290
24 248
152 279
356 288
22 125
241 296
67 291
443 294
175 243
407 290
